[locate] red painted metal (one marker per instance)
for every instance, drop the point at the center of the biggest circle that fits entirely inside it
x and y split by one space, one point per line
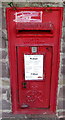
40 28
36 93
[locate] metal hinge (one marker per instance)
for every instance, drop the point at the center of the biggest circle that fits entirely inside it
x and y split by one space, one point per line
11 4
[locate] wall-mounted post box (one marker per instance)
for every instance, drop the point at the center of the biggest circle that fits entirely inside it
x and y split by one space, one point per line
34 46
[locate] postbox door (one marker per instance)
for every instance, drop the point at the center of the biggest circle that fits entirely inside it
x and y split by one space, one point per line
34 76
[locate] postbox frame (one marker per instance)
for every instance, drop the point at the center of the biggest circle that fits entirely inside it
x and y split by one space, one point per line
13 67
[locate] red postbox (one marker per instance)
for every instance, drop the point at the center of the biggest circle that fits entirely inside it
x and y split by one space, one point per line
34 51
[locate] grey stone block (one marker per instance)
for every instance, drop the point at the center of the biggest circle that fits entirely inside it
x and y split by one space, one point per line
3 43
4 34
63 70
5 69
64 18
28 117
62 118
6 83
4 54
4 91
8 95
63 61
61 104
63 49
62 92
6 105
62 113
3 20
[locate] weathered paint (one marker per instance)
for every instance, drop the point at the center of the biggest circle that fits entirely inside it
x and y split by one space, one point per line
46 36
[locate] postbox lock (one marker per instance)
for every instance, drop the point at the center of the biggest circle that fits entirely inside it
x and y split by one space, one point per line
24 85
49 49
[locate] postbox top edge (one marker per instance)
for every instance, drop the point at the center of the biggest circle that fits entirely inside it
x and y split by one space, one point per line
35 8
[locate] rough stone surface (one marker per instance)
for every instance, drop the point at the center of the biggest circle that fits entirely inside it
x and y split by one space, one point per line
6 102
4 54
3 43
61 104
5 105
61 93
30 117
5 69
34 1
3 20
63 70
63 61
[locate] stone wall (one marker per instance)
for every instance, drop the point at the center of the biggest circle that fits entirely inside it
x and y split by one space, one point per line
5 77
